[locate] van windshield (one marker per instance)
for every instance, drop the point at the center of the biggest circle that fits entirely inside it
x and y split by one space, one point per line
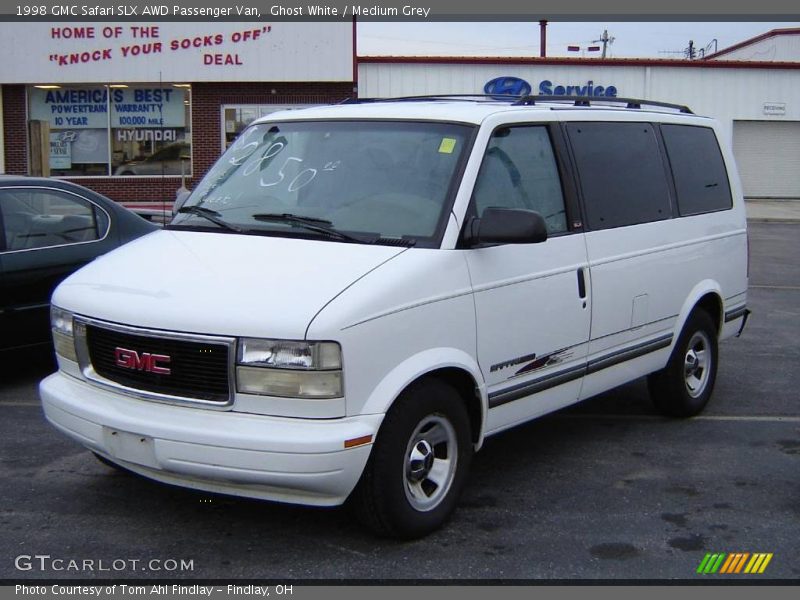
368 180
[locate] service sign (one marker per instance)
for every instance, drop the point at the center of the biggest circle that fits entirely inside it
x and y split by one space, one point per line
122 52
519 87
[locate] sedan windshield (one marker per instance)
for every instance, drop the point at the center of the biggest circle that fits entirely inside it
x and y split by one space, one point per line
371 181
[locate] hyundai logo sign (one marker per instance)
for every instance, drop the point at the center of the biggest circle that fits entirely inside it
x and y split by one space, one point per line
508 85
519 87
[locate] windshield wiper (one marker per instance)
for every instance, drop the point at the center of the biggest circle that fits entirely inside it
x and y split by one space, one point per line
310 223
209 215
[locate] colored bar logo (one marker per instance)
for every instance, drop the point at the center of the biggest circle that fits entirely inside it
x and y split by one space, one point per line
734 563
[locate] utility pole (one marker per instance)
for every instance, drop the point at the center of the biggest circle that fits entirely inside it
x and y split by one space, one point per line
605 40
543 39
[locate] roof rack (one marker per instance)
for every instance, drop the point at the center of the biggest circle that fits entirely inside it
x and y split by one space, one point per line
636 103
515 100
433 97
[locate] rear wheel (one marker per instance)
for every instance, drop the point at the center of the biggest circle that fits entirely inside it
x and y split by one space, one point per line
684 386
419 463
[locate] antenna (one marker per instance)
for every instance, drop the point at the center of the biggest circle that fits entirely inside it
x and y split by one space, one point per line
163 164
605 40
691 51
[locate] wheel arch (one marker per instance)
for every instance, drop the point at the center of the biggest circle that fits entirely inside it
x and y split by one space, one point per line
452 366
706 295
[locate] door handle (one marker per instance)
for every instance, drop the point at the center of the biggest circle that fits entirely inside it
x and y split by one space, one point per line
581 284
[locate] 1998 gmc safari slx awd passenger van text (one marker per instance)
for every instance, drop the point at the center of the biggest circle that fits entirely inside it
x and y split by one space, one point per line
355 296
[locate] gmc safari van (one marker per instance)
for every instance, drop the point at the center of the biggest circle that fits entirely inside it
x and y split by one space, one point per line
356 296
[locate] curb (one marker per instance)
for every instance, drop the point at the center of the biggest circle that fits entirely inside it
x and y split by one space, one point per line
773 220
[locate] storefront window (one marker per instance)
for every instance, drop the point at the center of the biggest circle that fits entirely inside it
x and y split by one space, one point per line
116 129
236 117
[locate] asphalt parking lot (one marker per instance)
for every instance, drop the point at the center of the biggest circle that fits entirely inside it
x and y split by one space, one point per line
605 490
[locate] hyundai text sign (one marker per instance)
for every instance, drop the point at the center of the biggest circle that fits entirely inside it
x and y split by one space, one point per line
519 87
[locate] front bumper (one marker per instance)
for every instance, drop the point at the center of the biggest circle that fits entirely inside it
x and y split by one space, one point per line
300 461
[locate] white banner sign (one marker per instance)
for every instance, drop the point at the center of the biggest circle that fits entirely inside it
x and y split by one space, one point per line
88 108
60 151
70 52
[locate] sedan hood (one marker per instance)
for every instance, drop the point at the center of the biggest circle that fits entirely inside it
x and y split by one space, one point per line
219 283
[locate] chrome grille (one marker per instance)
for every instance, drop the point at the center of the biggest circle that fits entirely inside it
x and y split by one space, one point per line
198 369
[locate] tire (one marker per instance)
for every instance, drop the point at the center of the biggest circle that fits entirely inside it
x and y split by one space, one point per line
427 431
684 386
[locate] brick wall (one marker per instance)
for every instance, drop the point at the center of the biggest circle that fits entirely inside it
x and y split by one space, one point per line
15 130
207 100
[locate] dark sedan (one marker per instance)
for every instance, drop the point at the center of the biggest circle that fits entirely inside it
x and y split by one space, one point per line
48 229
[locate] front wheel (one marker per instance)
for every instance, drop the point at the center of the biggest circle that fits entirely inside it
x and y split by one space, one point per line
419 463
684 386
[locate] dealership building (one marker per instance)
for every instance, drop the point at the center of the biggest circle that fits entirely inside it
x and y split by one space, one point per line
126 109
133 110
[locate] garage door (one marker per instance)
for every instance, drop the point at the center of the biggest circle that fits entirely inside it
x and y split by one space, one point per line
768 155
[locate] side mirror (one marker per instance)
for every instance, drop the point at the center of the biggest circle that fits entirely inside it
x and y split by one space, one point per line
507 226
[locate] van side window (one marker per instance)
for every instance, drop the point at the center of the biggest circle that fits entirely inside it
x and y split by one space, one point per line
621 173
519 171
701 180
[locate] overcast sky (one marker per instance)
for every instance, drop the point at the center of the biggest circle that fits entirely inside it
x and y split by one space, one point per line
631 39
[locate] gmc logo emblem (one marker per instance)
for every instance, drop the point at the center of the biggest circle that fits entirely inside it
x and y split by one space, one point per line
131 359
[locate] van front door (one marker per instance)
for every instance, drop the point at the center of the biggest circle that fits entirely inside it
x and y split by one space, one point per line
532 301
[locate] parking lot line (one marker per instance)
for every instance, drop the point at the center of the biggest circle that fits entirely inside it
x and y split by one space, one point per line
775 287
742 418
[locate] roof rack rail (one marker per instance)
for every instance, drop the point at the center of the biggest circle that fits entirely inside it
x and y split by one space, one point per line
636 103
434 97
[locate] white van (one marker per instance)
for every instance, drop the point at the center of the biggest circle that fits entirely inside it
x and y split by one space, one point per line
355 296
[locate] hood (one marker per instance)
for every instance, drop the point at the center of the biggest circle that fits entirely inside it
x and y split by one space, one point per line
218 283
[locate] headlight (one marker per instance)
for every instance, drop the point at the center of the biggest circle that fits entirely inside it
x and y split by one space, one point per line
283 354
290 369
63 339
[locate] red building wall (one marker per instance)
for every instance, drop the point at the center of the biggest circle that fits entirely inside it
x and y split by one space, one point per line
15 129
207 100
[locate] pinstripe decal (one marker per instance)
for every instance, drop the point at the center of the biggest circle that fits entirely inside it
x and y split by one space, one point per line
521 390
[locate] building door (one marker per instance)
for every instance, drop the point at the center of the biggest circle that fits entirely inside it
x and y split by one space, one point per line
768 155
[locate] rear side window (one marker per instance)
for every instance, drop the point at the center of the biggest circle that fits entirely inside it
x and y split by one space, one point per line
701 181
621 173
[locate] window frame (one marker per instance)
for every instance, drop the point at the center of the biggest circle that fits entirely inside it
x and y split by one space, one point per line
93 205
665 165
564 167
676 211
